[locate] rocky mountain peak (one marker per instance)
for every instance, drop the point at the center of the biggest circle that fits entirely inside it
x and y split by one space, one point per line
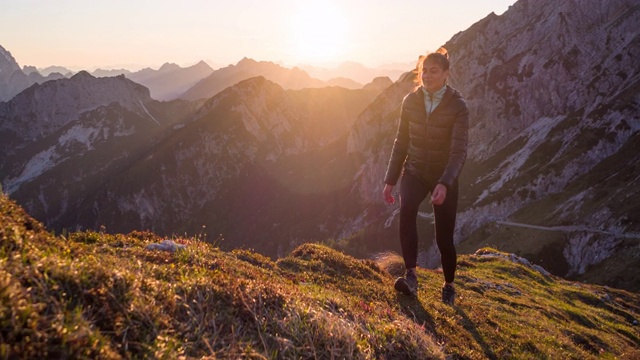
29 69
53 69
380 83
7 63
246 62
12 79
82 74
166 67
202 65
264 108
58 102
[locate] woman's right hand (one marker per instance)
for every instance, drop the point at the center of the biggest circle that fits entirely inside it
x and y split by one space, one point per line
386 194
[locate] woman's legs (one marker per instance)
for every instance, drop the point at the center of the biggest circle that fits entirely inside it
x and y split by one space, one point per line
413 190
445 223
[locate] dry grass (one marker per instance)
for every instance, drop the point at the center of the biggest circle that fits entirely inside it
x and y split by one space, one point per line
95 295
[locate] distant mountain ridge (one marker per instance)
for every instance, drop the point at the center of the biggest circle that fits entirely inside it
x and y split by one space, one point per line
355 71
171 80
246 68
56 69
166 83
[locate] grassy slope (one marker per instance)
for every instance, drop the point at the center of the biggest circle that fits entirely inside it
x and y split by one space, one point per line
93 295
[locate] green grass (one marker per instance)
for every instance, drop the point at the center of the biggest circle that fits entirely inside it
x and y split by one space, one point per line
96 295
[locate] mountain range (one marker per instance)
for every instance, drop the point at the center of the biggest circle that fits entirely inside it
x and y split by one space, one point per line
552 174
356 71
170 80
200 81
294 78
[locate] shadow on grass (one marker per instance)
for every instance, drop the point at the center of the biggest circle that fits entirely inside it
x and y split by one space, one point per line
469 326
413 309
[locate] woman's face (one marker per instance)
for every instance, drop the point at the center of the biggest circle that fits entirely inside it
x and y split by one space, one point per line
433 76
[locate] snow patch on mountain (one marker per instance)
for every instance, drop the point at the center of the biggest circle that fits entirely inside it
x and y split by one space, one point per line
38 164
79 134
54 155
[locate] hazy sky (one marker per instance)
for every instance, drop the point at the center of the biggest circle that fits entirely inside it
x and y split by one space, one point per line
82 34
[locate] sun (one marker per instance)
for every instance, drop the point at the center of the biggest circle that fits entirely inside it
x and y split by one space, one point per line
318 32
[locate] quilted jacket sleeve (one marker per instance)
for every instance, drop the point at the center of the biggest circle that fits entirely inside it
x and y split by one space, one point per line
400 148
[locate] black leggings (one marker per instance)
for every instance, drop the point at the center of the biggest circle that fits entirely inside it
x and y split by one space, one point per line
413 190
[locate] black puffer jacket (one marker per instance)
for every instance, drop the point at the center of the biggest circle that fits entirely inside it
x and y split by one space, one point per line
433 147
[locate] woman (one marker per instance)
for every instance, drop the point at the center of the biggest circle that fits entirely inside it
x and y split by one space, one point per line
430 149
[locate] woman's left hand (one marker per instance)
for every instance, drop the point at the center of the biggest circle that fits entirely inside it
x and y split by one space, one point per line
438 194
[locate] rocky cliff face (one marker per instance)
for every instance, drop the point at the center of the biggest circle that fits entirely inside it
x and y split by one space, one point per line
554 104
552 89
12 79
541 59
7 63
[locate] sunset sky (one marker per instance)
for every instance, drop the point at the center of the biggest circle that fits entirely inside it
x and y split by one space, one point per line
133 34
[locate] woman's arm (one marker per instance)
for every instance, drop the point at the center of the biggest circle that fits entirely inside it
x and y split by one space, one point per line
400 146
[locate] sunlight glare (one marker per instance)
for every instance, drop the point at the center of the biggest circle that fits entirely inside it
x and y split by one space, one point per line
319 31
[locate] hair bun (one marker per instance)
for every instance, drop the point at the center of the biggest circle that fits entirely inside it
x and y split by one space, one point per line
441 50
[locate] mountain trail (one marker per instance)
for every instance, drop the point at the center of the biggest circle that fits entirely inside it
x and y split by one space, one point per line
568 228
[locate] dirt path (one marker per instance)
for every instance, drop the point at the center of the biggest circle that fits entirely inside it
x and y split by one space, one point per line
569 229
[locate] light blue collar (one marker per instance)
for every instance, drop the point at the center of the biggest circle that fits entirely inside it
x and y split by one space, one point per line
431 101
436 95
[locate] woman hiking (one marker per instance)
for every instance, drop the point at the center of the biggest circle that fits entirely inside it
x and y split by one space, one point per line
429 150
